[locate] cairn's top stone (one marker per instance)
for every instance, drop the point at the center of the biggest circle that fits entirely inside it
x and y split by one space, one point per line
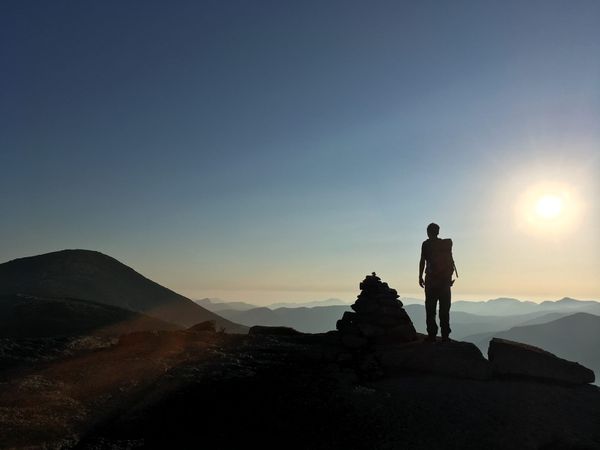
371 282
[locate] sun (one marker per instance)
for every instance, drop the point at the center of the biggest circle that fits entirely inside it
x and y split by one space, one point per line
549 206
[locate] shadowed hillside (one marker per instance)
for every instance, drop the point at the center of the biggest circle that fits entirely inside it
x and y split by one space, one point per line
93 276
32 317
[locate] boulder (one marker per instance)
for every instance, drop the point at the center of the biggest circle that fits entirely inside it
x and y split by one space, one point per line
455 359
209 326
509 358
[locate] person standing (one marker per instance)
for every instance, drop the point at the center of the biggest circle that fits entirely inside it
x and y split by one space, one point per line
438 264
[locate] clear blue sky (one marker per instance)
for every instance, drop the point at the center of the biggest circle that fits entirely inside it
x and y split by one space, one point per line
277 151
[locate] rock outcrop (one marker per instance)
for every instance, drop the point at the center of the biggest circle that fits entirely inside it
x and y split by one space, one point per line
378 317
455 359
509 358
379 339
209 326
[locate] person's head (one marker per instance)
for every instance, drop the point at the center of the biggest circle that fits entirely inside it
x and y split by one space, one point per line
433 229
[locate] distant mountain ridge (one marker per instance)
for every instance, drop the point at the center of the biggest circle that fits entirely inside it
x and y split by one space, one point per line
94 276
471 316
512 306
216 305
492 307
311 304
322 319
317 319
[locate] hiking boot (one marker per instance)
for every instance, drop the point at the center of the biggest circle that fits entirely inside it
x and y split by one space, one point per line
446 339
430 339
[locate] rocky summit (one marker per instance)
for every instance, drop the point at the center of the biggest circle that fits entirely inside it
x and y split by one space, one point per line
372 384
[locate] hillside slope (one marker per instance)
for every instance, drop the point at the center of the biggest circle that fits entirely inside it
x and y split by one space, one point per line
34 317
93 276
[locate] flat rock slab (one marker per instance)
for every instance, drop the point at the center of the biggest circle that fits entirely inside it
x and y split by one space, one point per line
456 359
509 358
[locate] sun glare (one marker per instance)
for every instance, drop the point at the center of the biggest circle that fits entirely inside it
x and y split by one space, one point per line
548 208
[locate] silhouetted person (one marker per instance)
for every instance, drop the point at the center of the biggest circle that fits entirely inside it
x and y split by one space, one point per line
436 259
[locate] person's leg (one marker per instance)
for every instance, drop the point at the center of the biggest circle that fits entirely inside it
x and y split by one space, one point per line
445 296
430 310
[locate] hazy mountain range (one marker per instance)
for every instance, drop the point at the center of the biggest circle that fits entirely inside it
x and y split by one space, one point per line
569 328
323 318
511 306
494 307
216 305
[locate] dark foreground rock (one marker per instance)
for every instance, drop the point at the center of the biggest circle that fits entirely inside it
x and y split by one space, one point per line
182 390
456 359
285 392
209 326
509 358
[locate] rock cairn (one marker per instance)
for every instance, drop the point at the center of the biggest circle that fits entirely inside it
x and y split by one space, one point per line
378 317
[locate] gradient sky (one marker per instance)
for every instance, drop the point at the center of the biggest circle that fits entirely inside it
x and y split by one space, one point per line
279 151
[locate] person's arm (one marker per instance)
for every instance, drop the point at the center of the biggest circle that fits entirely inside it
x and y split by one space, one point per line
422 266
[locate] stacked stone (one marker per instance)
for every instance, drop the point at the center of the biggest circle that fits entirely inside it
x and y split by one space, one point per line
378 318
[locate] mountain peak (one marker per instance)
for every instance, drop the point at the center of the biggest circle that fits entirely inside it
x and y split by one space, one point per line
94 276
504 300
568 300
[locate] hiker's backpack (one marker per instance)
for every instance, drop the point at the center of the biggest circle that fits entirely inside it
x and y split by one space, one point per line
440 264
